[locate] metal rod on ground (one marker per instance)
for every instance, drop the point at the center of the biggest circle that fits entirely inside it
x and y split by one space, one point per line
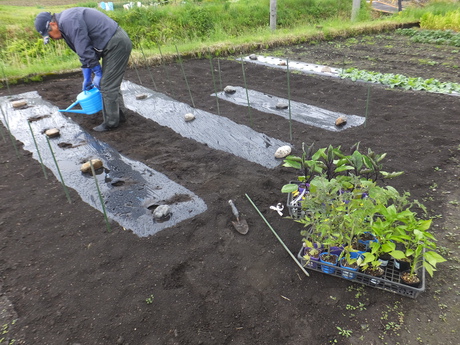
214 83
164 67
185 77
100 197
148 68
6 80
66 191
12 138
289 98
247 93
38 151
367 104
279 239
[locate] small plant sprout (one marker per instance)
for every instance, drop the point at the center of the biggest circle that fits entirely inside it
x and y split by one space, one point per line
149 300
344 332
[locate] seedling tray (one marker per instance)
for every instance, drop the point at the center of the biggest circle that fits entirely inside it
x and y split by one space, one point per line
390 281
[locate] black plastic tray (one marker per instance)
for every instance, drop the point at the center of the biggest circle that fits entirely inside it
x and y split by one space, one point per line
390 281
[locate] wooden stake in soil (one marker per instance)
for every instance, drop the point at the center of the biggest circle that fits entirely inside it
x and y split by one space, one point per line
12 138
279 239
185 77
214 83
148 68
289 98
100 196
66 191
247 93
367 104
38 151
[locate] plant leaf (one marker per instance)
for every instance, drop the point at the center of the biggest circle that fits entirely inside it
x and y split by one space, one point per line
289 188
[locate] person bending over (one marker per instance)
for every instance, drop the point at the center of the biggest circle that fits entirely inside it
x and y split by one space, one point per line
93 36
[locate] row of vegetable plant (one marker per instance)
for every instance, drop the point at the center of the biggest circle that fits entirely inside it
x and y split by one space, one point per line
401 81
445 37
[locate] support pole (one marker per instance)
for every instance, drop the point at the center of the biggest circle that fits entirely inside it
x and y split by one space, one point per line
273 15
355 9
276 235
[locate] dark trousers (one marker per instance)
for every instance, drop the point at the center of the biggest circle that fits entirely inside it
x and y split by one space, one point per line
115 58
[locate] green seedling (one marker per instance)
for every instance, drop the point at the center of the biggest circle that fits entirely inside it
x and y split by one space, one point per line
344 332
149 300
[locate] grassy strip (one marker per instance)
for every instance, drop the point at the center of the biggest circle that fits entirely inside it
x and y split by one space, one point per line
196 28
38 68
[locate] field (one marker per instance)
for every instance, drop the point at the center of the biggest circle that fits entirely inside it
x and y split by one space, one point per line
66 280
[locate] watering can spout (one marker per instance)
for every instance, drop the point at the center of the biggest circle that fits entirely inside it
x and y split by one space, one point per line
89 101
70 110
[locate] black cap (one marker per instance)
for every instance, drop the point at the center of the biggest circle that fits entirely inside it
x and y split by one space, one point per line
42 24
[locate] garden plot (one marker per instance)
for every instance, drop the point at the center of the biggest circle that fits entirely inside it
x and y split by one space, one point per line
215 131
363 76
300 112
130 189
304 67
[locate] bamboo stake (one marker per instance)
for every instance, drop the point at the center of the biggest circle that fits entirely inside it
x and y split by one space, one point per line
185 77
38 151
148 68
214 83
279 239
247 93
12 138
66 191
367 104
164 67
100 197
289 99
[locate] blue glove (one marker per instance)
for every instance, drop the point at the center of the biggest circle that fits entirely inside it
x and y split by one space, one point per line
97 70
86 79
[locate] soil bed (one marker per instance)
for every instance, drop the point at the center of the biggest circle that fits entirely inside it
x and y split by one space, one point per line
66 280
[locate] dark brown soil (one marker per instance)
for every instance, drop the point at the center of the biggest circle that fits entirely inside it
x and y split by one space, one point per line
65 280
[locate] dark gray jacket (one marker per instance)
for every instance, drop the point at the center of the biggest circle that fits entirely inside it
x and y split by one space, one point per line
86 31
